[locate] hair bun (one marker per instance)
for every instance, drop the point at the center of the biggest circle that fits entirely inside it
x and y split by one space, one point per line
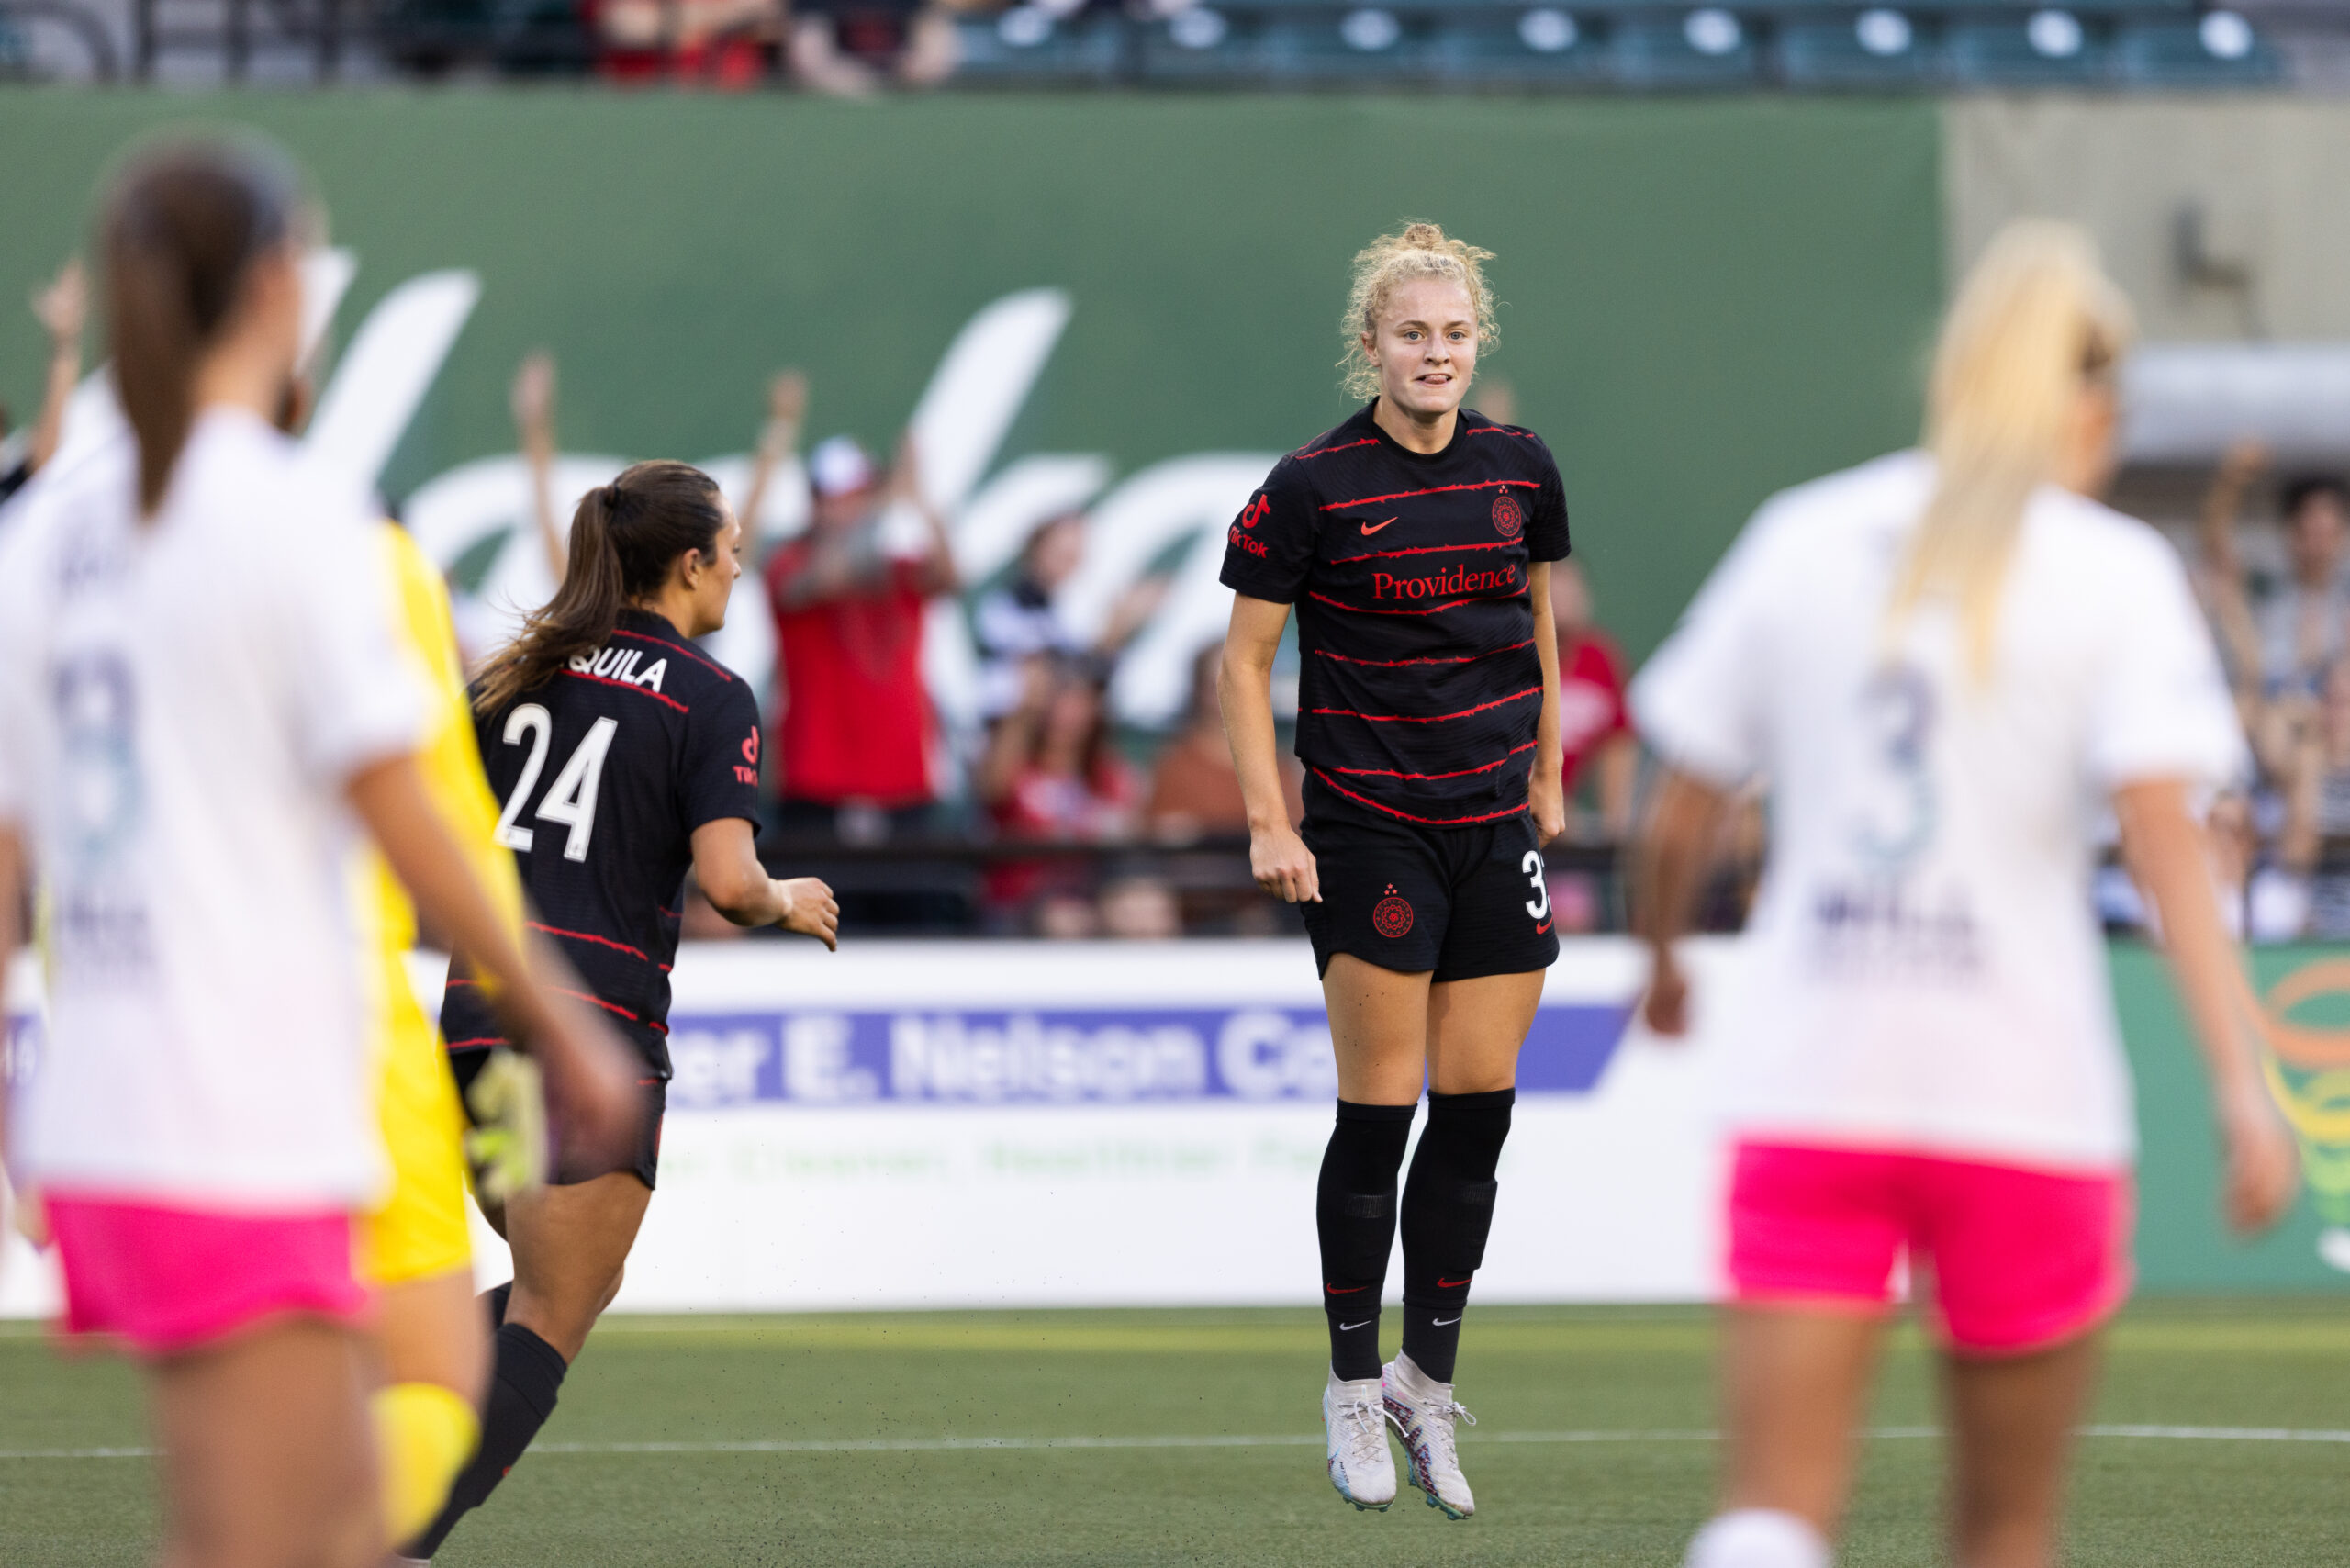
1422 237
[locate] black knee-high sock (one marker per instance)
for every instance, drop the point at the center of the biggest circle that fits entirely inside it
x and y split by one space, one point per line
1354 1210
1448 1210
522 1397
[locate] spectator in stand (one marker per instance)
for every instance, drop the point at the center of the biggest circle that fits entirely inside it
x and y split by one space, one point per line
2280 645
1194 790
2308 892
778 438
1023 617
729 44
1594 727
856 731
1051 776
849 48
61 309
1014 623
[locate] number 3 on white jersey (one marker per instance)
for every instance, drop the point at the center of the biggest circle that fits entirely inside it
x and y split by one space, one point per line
571 799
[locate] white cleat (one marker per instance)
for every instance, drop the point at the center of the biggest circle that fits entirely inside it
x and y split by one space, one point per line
1361 1467
1422 1412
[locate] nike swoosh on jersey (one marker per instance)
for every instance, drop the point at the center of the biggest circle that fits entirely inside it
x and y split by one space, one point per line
1371 528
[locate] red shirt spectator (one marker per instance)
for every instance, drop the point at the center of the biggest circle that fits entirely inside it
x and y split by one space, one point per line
1590 698
1594 728
856 720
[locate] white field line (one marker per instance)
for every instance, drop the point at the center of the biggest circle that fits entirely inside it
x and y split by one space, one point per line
1260 1441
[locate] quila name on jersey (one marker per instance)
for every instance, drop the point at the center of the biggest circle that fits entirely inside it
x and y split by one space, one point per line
620 664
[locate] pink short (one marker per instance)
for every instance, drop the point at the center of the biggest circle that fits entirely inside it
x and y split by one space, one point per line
169 1280
2019 1259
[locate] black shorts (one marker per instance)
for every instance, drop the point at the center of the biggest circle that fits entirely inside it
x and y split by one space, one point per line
647 1162
1462 901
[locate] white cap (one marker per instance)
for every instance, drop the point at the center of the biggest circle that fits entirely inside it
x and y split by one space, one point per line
839 466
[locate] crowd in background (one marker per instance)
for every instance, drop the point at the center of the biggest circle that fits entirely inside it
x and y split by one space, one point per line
1141 834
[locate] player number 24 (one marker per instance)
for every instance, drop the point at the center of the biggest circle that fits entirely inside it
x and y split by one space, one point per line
570 801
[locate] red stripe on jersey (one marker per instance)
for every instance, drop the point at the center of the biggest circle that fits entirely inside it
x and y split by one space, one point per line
1432 719
1399 664
454 980
1431 490
1424 550
1430 777
1342 446
624 686
674 648
1431 609
607 1006
1501 430
1406 816
588 937
479 1040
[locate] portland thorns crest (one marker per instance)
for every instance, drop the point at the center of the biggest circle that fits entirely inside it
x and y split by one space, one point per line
1509 517
1392 915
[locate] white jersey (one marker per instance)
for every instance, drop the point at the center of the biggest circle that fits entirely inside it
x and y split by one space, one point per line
182 704
1925 967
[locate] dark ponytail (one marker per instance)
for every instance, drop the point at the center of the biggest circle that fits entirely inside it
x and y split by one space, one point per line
183 228
625 538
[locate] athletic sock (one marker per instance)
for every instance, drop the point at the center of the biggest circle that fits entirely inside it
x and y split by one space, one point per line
522 1397
1758 1538
1354 1210
424 1434
1448 1212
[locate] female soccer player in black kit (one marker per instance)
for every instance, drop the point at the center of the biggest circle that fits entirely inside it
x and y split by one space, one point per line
1415 542
623 756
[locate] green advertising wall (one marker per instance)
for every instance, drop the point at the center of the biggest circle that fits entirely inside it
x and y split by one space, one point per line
2182 1243
1703 301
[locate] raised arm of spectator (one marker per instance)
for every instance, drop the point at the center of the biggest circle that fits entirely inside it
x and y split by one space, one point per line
533 399
778 438
61 307
2224 569
1011 743
938 573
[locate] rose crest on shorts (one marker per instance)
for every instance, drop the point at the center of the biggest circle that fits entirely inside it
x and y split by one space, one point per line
1509 517
1392 916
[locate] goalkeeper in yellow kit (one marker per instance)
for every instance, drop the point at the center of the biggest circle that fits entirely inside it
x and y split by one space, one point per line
416 1250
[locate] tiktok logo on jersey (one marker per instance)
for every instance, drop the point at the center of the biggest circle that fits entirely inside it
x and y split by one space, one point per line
750 755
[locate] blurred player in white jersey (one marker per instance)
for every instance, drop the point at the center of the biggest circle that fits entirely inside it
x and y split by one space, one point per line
1945 664
200 701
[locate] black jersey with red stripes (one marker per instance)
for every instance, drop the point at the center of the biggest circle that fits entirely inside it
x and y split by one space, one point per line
602 773
1420 687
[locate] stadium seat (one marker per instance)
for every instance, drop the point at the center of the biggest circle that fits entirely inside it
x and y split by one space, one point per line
1880 48
1539 46
1360 43
2046 48
1706 48
2219 49
1027 44
1202 45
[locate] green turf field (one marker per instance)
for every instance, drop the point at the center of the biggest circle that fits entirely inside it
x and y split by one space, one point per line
1192 1437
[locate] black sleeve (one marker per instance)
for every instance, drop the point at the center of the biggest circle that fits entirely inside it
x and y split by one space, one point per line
1545 532
722 761
1268 551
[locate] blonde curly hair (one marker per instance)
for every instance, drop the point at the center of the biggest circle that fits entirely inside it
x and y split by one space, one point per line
1422 250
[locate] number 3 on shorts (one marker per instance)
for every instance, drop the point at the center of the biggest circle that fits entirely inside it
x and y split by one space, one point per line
1538 906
